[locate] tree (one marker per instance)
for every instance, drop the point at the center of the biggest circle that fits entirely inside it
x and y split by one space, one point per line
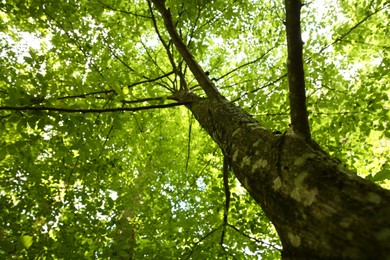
94 166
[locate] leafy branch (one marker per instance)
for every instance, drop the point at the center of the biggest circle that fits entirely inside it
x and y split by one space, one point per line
166 47
111 91
341 37
316 113
2 117
265 244
200 75
200 241
121 10
74 40
338 39
89 110
259 88
190 119
218 15
247 63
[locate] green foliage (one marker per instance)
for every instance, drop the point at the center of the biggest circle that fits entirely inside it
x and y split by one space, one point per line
149 183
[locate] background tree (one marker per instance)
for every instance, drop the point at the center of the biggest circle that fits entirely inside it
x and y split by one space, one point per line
85 175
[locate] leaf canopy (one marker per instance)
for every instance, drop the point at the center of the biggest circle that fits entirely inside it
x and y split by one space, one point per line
149 183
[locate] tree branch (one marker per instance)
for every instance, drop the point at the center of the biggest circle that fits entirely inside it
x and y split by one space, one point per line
227 197
113 91
247 63
166 47
203 80
142 100
189 140
255 240
296 79
90 110
341 37
75 40
259 88
200 241
122 11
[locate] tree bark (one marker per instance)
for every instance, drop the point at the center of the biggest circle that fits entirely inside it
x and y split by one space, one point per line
319 208
296 76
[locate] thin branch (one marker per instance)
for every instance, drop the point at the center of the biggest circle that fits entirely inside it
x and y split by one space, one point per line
264 244
122 11
259 88
138 125
316 113
200 240
338 39
165 45
366 43
142 100
150 80
200 75
342 112
218 15
244 81
341 37
87 94
190 35
272 114
143 76
113 91
189 140
2 117
247 63
154 60
90 110
149 52
116 56
78 45
107 136
183 83
68 186
227 198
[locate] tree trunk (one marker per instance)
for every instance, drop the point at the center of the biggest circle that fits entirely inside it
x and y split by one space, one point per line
319 208
296 77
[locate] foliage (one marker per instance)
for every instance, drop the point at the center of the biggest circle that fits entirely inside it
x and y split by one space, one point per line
149 183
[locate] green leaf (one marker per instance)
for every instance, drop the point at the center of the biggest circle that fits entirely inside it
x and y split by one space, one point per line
26 241
27 59
380 176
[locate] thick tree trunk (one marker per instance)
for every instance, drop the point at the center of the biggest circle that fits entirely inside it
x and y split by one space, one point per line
319 208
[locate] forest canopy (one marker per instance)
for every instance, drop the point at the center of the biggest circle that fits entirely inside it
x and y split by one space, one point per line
97 160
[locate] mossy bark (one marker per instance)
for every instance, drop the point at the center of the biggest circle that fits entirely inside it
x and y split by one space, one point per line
319 208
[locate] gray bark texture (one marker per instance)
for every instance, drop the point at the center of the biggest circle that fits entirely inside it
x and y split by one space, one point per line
320 209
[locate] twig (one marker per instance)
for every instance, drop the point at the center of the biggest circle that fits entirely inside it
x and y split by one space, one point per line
200 240
264 244
122 11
